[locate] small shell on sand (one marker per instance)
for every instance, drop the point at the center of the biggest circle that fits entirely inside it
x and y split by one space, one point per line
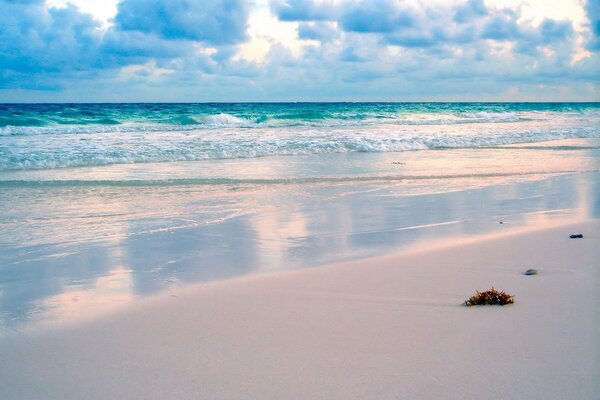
531 271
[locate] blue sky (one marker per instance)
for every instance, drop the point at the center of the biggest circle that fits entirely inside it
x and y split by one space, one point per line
299 50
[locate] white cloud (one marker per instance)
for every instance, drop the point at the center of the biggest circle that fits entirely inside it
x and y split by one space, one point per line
304 50
102 10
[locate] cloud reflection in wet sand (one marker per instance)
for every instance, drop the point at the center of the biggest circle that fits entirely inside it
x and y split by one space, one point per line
77 252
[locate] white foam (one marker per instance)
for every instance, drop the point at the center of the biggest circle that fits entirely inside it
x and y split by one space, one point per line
224 120
485 116
230 137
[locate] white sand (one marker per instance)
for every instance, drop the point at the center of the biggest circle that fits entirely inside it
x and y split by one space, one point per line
387 328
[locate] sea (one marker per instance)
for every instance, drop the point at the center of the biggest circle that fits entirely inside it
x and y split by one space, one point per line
104 204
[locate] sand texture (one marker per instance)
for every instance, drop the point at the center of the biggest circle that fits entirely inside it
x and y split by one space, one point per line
384 328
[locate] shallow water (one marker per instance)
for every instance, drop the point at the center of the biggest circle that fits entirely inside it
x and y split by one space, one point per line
77 252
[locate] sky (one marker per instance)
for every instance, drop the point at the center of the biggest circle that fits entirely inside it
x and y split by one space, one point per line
299 50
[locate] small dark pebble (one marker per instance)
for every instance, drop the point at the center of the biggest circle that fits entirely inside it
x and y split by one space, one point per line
578 236
501 222
530 271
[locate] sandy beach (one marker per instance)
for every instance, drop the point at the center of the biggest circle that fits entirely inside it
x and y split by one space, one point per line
299 200
391 327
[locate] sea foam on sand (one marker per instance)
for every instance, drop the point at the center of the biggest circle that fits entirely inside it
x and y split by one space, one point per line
384 328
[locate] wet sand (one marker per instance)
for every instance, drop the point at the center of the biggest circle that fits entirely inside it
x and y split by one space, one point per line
383 328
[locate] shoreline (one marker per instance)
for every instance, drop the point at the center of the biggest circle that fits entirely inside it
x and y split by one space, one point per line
128 246
360 329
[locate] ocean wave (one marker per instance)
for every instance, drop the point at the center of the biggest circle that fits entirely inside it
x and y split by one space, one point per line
224 120
44 153
26 126
486 116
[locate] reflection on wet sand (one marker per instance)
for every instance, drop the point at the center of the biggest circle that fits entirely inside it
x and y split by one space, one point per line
77 250
296 228
87 301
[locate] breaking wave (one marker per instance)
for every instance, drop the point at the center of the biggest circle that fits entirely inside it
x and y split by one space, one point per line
75 135
118 149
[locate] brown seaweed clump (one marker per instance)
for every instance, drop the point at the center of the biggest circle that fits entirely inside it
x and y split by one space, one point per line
490 297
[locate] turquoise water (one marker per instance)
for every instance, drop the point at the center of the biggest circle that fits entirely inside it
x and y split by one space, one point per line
48 136
155 116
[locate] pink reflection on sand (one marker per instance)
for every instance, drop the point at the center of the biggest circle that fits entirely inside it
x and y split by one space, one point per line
76 303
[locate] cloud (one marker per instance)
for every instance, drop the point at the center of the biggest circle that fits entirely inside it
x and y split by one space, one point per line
35 39
592 8
422 26
376 16
469 11
43 46
304 10
322 31
349 54
441 45
184 50
552 31
123 48
215 22
502 27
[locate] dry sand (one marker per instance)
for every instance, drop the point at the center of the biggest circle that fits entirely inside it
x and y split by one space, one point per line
384 328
